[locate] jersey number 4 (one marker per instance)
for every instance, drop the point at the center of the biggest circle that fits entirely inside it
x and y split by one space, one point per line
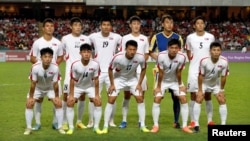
85 74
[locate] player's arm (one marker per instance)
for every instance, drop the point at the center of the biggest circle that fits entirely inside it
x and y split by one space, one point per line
152 48
111 76
223 82
189 55
33 59
142 75
146 56
56 88
96 83
179 79
32 88
160 77
71 87
199 95
59 60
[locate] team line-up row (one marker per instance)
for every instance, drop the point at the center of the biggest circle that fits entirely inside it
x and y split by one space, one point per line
106 58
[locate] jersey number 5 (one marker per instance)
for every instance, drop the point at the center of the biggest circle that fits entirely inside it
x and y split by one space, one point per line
201 45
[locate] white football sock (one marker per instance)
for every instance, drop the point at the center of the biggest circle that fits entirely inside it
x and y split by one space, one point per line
80 110
125 107
37 112
156 113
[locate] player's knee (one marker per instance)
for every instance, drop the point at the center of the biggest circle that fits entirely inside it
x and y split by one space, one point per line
97 104
199 98
182 99
111 100
222 100
158 99
29 105
139 99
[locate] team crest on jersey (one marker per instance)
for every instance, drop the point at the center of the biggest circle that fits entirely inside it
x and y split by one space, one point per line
54 44
110 38
50 73
135 61
91 69
82 40
219 66
175 61
141 39
206 38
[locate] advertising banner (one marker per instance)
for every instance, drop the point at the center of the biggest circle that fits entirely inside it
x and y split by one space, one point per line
2 57
237 56
17 56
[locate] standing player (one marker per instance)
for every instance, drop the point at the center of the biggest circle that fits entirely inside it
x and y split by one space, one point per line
106 44
212 79
197 46
170 64
44 82
71 45
159 43
143 45
125 64
47 40
84 81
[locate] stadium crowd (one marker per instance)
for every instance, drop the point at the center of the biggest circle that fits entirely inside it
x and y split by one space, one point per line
20 33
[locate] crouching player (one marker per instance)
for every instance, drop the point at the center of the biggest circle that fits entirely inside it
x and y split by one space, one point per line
84 80
213 71
170 64
44 78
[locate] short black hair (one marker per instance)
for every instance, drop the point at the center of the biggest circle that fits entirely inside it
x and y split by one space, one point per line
215 44
199 18
75 20
48 20
131 43
85 47
134 18
106 19
46 50
166 16
174 42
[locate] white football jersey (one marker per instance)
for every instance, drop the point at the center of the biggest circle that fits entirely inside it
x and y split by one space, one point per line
199 47
44 78
125 68
41 43
169 66
213 71
84 75
143 45
105 48
71 46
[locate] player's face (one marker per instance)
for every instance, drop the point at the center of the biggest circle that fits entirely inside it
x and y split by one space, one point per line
168 25
173 50
86 54
76 28
130 51
48 28
46 59
106 27
199 25
135 26
215 52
